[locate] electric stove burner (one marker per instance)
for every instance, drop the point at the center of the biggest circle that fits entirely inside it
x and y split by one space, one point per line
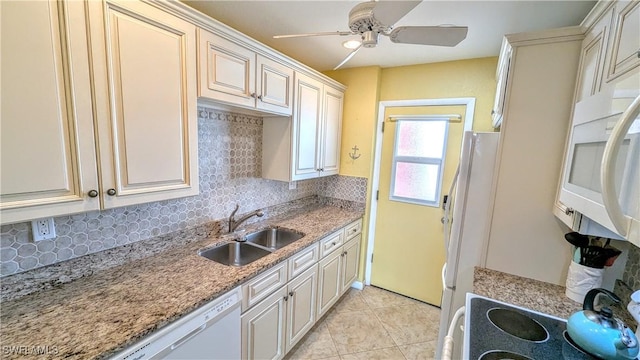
575 349
502 355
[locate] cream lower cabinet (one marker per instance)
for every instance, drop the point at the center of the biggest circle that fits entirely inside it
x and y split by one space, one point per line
276 324
350 261
307 145
263 327
143 146
272 326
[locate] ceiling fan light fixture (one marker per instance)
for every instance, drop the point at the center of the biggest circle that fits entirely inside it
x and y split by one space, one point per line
351 44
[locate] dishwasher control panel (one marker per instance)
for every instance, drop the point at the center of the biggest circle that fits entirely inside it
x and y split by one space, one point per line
221 307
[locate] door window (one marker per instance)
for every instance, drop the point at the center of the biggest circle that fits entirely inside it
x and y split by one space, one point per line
418 160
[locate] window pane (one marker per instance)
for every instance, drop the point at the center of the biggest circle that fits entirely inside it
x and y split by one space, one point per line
416 181
421 138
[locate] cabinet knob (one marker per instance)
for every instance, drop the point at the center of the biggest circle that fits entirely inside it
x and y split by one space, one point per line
291 293
111 192
321 169
260 97
568 211
254 95
493 112
286 298
333 243
92 193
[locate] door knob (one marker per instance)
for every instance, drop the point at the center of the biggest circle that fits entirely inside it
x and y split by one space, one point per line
111 192
92 193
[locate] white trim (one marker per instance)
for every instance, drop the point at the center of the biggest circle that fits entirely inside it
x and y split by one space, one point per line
357 285
470 104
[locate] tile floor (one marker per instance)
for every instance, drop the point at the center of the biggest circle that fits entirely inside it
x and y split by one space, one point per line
372 324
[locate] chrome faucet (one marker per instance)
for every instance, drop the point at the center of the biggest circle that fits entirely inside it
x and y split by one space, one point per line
233 224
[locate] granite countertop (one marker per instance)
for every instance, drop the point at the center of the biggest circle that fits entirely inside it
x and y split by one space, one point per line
99 315
533 294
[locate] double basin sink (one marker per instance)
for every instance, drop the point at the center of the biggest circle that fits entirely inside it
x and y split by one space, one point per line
251 247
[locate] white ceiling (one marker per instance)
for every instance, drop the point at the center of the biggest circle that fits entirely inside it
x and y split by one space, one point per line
488 21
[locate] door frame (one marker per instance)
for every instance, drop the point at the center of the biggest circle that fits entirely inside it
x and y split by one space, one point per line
468 102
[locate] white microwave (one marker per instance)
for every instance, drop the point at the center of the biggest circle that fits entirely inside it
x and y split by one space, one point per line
602 169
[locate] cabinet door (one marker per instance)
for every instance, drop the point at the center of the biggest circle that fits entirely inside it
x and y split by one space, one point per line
331 131
47 146
275 86
263 328
306 131
226 70
144 60
350 261
625 53
592 58
301 310
329 282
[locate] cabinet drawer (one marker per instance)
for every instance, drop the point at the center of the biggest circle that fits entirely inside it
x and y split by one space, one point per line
330 243
263 285
304 260
352 230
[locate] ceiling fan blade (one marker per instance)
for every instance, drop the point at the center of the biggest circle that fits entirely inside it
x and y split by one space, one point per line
429 35
389 12
341 33
348 57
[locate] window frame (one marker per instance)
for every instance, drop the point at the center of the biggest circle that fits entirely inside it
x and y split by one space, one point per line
440 162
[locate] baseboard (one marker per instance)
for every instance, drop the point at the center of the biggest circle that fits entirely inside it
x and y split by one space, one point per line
357 285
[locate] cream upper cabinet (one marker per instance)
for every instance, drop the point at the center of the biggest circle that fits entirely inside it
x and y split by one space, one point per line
350 260
624 54
307 145
144 63
233 74
331 131
143 146
593 56
47 145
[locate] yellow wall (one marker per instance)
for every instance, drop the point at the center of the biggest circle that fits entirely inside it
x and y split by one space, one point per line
369 85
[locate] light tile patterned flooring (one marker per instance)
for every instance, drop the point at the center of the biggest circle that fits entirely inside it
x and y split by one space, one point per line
372 324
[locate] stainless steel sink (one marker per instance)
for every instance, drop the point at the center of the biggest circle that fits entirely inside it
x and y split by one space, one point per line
234 253
274 238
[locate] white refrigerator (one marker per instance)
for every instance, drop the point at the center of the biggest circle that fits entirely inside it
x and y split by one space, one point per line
468 215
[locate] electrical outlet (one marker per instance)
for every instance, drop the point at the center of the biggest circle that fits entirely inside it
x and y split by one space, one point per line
293 185
43 229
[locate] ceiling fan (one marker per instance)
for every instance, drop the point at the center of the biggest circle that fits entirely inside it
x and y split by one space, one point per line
372 18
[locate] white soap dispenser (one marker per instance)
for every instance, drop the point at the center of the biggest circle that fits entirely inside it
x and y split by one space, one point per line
634 310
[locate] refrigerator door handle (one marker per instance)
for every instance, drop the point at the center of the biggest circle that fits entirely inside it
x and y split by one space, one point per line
444 280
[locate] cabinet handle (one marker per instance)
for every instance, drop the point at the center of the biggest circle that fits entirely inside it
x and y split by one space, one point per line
568 211
111 192
291 293
92 193
286 298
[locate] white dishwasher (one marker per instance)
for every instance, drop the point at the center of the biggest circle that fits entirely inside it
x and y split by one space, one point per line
210 332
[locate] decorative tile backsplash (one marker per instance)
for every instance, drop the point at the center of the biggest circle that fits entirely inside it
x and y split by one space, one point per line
230 156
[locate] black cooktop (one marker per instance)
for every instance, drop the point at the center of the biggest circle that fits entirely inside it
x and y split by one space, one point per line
499 331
